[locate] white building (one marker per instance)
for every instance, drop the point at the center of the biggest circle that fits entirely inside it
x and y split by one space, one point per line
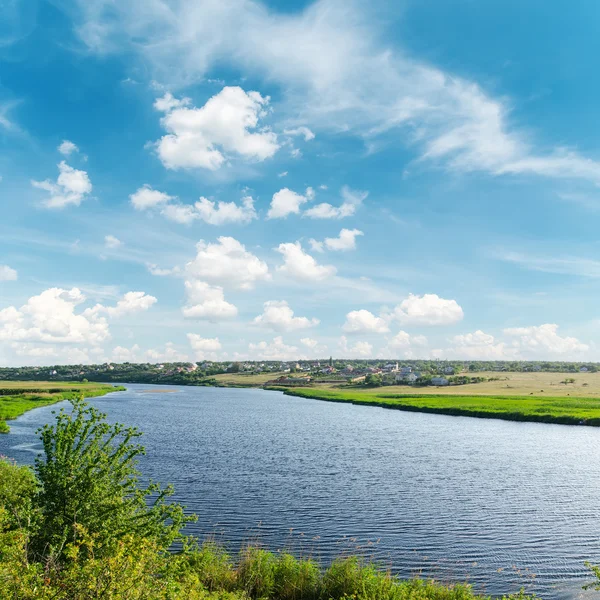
439 381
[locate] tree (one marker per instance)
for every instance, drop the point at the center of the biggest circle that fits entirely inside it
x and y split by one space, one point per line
90 483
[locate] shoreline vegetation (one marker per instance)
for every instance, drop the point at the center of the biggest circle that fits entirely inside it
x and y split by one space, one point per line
79 526
18 397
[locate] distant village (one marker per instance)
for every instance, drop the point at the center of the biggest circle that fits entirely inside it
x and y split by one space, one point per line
301 372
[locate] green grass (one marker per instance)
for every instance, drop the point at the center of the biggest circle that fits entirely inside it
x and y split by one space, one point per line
35 394
257 573
565 410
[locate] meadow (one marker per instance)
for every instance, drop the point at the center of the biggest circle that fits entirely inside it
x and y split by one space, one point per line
548 409
17 397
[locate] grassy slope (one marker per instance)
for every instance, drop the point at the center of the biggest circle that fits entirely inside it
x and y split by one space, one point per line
43 393
566 410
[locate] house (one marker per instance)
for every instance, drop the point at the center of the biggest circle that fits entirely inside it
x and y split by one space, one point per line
408 378
583 370
405 370
449 370
439 381
391 367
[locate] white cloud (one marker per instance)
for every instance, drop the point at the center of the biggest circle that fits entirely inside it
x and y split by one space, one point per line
428 309
204 348
282 174
146 197
168 102
7 273
67 147
169 354
478 346
286 202
159 272
207 302
405 345
184 214
51 317
110 241
309 343
364 321
352 199
345 241
205 137
543 340
275 350
131 302
300 265
305 132
71 187
278 315
358 350
228 263
316 246
213 213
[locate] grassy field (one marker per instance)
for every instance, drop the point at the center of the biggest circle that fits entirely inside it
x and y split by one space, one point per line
512 396
543 385
245 379
17 397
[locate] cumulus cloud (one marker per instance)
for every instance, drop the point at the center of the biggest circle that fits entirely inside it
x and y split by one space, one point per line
67 147
364 321
278 315
130 303
300 265
204 348
207 302
71 188
213 213
228 263
478 345
357 350
352 199
405 345
286 202
543 340
146 197
345 241
428 309
110 241
205 137
51 317
7 273
274 350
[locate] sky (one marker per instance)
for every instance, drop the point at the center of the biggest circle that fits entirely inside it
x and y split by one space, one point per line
243 180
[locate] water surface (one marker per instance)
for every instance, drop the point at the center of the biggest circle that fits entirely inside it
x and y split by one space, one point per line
501 504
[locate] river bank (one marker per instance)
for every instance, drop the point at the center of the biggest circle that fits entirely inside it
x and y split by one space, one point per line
18 397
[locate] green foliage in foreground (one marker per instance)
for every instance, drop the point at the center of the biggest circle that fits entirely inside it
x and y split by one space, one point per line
81 527
565 410
15 402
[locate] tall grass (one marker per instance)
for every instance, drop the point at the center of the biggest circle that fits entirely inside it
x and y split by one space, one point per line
258 574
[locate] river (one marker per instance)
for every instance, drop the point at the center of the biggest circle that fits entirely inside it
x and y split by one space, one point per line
503 505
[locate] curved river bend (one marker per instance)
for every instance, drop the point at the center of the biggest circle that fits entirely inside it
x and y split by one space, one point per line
504 505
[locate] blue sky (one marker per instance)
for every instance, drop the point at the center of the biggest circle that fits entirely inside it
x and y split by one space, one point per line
227 179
